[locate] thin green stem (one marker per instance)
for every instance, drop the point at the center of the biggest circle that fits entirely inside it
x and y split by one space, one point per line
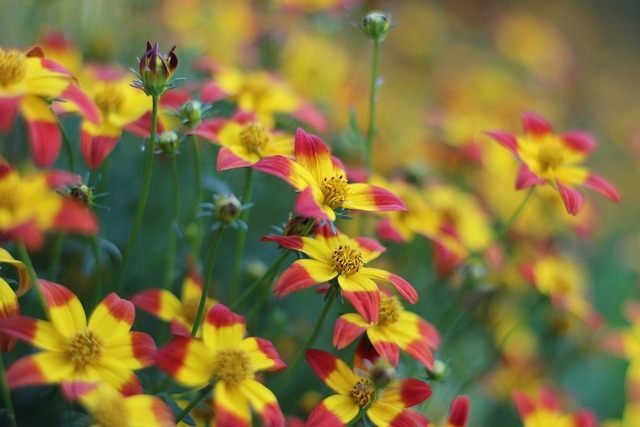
173 235
6 395
207 280
256 283
198 198
24 257
95 247
144 193
56 252
236 269
361 414
201 395
66 142
373 99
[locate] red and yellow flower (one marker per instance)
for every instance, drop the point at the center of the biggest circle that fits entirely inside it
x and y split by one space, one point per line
545 411
102 349
109 408
342 258
180 312
395 329
27 81
29 206
555 159
458 413
322 182
9 306
226 356
386 404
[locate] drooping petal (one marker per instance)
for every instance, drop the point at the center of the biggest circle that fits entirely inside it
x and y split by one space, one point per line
365 197
535 125
602 186
112 317
313 155
363 294
9 108
348 327
403 287
63 308
459 411
42 368
228 160
84 104
159 302
24 278
385 346
45 139
231 406
571 198
262 353
333 371
263 401
186 359
39 333
302 274
136 349
335 411
526 178
222 327
96 148
287 170
506 139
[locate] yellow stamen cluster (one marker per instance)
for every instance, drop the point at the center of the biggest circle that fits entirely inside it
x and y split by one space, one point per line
85 349
108 99
390 309
254 137
232 366
550 156
335 190
346 260
13 67
111 412
362 392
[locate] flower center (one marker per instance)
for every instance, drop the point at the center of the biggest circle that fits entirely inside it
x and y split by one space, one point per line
85 349
256 87
254 136
550 156
335 190
362 392
390 310
108 99
232 366
11 196
111 412
13 67
346 260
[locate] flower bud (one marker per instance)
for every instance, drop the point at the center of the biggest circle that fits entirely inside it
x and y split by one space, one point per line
381 374
227 208
297 225
256 269
191 114
376 25
82 194
156 70
168 143
438 371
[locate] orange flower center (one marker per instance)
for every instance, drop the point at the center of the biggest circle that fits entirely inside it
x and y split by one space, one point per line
254 137
550 156
362 392
232 366
390 310
111 412
85 349
13 67
346 260
108 99
335 190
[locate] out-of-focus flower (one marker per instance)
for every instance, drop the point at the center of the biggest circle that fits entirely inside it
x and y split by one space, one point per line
9 306
386 404
458 413
244 141
107 407
322 182
225 355
312 6
28 82
554 159
102 349
545 411
338 256
180 312
156 71
63 50
30 206
630 417
395 329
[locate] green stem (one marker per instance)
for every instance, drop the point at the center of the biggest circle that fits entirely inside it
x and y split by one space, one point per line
55 255
373 99
144 193
6 395
198 198
236 269
66 142
171 254
361 414
95 247
45 404
207 281
201 395
256 283
24 257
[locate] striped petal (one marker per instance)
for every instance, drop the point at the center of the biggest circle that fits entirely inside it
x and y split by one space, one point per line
505 139
186 359
191 286
406 393
332 371
135 349
310 203
118 375
9 308
459 411
385 346
147 410
535 125
348 327
363 294
335 411
39 333
302 274
315 248
42 368
384 414
263 401
313 155
370 248
526 178
571 198
602 186
96 148
228 160
222 327
112 317
365 197
286 169
63 308
263 355
403 287
159 302
231 406
45 139
84 104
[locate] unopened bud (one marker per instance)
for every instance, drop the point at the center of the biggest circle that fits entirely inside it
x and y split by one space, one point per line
82 194
156 70
168 143
438 371
191 114
227 208
376 25
256 269
298 225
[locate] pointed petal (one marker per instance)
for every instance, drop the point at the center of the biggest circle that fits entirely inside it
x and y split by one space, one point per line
505 139
348 327
45 139
186 359
571 198
363 294
39 333
73 217
112 317
579 141
136 349
222 327
602 186
535 125
159 302
384 346
408 393
118 375
263 401
287 170
96 148
313 155
526 178
63 308
365 197
302 274
312 247
8 112
41 368
309 203
85 105
231 406
403 287
263 355
335 411
371 248
333 371
387 231
459 411
384 414
148 410
227 160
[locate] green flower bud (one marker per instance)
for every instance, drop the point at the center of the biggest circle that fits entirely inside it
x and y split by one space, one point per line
168 143
191 114
376 25
227 209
